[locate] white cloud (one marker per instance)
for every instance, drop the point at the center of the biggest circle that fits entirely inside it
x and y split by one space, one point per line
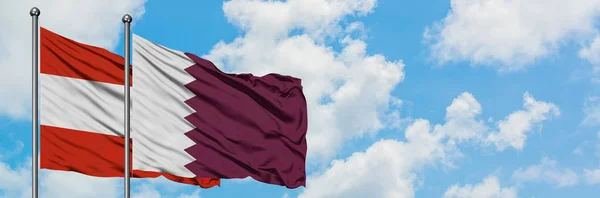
14 182
388 168
592 176
146 191
318 18
514 128
488 188
195 194
150 189
92 22
356 85
591 53
512 33
461 123
384 170
591 110
71 184
547 171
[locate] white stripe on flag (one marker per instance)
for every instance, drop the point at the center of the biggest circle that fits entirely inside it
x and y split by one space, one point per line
158 109
81 104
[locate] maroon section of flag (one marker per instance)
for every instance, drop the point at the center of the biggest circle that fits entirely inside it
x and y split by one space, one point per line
247 126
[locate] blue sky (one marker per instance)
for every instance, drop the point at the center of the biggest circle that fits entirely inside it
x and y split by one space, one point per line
431 98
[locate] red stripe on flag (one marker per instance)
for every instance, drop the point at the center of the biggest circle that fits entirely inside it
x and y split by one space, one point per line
62 56
95 154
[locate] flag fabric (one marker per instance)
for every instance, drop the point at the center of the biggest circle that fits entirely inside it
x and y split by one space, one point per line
81 117
200 120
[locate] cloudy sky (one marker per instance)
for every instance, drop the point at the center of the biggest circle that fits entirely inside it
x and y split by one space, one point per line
431 98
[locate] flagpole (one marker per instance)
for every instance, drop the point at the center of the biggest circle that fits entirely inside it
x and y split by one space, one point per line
127 22
35 13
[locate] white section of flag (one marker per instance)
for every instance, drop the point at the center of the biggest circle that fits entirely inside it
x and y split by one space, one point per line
158 109
79 104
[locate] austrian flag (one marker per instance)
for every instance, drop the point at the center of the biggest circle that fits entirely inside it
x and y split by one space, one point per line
190 122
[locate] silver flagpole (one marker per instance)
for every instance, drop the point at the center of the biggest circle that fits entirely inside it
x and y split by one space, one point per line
35 13
127 22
